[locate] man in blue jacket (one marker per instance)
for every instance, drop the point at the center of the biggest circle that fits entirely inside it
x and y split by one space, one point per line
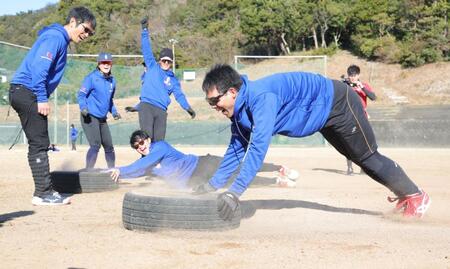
159 82
96 100
34 81
181 170
296 104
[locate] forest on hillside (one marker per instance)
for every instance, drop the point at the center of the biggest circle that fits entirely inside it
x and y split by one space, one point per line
409 32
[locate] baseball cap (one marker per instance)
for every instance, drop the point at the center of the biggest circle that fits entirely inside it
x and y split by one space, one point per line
104 57
166 54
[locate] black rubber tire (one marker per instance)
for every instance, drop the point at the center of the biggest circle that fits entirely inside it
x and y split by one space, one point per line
187 212
82 181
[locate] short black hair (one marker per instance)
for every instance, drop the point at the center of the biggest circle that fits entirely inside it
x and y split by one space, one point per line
223 77
82 14
353 70
138 135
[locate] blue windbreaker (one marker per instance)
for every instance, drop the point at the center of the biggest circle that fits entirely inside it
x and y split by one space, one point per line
43 66
97 93
291 104
158 85
163 161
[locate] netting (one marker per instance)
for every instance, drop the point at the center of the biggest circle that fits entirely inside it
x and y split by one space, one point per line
260 66
207 129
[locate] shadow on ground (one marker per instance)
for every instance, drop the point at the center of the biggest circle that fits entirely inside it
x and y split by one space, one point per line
10 216
341 172
249 207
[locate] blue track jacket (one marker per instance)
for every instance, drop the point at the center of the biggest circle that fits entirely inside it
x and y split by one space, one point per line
158 85
97 93
163 161
43 66
291 104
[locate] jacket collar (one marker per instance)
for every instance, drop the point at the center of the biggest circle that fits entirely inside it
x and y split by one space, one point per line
242 96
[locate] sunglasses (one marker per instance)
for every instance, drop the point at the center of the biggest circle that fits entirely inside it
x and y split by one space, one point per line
87 30
212 101
138 144
166 61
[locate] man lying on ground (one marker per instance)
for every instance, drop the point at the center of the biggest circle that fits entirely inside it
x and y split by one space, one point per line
181 170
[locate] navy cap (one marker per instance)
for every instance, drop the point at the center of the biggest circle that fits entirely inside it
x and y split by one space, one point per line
166 54
104 57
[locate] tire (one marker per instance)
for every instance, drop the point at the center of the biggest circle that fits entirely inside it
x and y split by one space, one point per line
82 181
187 212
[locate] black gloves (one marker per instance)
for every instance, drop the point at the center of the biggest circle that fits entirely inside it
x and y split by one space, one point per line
227 204
130 109
191 112
144 23
84 112
203 189
117 116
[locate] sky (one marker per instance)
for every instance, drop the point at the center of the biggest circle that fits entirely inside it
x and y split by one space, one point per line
11 7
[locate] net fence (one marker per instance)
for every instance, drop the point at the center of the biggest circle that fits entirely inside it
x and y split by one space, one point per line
208 128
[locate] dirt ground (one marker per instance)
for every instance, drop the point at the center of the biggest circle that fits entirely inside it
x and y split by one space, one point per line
329 220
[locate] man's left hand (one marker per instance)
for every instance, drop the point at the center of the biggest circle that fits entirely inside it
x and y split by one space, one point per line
43 109
117 116
227 204
191 112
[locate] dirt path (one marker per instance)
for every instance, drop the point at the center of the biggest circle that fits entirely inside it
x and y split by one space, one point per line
328 221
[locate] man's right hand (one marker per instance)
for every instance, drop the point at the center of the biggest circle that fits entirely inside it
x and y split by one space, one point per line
84 112
144 23
115 173
43 108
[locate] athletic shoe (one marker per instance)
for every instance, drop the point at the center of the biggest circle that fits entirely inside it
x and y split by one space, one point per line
414 205
287 172
51 199
285 182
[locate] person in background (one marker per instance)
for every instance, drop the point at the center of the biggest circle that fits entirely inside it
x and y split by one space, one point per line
73 136
96 100
159 82
34 81
179 170
364 91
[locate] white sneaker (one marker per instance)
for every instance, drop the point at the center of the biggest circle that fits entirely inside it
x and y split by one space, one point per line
51 199
285 182
287 172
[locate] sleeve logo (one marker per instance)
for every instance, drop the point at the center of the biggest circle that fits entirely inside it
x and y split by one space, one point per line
48 56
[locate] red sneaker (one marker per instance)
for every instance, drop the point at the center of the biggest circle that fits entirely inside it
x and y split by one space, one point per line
413 205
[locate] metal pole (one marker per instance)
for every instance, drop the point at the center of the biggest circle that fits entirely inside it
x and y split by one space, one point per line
67 120
55 113
173 41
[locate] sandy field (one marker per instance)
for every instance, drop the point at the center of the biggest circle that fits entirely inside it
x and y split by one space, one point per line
329 220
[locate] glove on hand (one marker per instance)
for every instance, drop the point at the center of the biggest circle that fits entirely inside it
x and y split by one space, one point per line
84 112
227 204
191 112
202 189
144 23
117 116
130 109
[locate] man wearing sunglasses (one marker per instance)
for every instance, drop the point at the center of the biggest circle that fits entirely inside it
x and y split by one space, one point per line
181 170
34 81
296 104
158 83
